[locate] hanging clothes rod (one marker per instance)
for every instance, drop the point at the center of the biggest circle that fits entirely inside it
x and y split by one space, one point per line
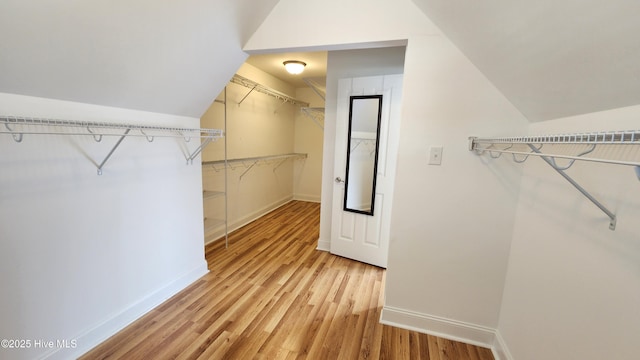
559 156
250 162
534 144
254 86
17 127
253 159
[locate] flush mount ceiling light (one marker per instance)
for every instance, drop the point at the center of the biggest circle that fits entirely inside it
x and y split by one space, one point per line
294 67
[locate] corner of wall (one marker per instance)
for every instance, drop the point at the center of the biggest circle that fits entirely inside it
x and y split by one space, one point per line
500 349
324 245
448 329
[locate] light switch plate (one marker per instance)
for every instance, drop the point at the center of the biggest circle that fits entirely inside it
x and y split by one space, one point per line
435 155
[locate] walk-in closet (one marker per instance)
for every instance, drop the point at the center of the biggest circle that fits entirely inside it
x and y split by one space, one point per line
272 149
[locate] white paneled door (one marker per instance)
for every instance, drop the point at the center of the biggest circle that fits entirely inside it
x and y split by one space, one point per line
354 234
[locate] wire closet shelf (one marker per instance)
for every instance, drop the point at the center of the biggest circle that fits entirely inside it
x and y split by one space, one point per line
249 162
628 137
577 147
257 87
18 127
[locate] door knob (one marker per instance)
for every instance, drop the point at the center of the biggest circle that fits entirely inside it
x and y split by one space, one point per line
339 180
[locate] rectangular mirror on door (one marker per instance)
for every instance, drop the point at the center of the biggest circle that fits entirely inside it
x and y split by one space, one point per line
362 153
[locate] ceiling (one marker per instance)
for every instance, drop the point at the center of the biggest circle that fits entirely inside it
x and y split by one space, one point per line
272 64
550 58
169 57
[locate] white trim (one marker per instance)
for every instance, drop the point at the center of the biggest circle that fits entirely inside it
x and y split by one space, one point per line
438 326
110 326
500 349
306 197
324 245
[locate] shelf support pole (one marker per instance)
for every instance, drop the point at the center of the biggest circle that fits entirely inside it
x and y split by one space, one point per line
112 150
611 215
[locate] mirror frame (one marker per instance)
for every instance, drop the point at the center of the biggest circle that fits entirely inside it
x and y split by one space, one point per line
375 161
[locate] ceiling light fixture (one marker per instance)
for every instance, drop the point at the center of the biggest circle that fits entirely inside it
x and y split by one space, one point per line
294 67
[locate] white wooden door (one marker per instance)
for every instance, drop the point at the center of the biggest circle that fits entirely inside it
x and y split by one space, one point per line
357 236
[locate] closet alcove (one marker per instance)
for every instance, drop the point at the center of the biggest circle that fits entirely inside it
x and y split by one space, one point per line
271 152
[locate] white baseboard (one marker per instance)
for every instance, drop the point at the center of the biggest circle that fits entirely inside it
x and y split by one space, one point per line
324 245
307 197
438 326
500 349
100 332
218 232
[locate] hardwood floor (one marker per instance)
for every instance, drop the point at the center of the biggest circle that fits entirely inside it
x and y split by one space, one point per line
271 295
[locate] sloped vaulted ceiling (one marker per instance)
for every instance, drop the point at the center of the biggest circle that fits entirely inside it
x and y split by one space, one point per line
550 58
163 56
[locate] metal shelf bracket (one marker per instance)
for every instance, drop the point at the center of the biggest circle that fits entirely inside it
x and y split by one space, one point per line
112 150
551 162
316 114
254 86
535 144
197 151
250 91
17 127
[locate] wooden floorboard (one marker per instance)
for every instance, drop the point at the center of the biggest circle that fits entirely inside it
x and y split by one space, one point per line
272 295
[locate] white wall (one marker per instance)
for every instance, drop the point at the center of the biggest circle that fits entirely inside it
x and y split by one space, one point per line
344 25
452 224
573 285
82 255
261 125
308 140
